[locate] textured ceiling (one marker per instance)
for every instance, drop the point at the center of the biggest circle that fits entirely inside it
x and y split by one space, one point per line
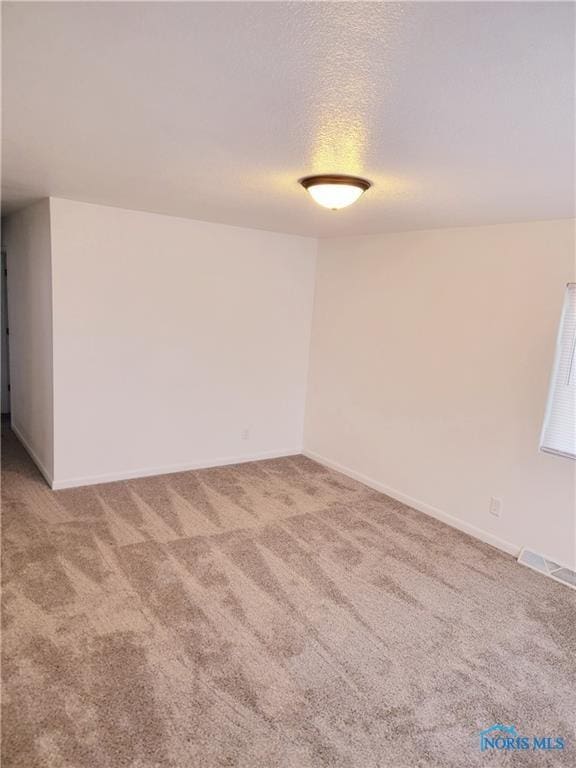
460 113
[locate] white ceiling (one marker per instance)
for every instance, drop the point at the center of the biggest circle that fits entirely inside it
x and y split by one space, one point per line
460 113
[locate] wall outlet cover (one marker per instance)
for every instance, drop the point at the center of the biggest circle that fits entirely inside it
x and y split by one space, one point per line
495 507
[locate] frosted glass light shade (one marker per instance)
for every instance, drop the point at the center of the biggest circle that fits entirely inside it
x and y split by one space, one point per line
335 196
335 192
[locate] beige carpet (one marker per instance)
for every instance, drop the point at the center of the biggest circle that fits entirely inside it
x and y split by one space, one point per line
267 615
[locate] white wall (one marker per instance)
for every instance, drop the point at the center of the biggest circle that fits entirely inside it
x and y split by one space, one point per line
430 358
145 343
171 337
27 240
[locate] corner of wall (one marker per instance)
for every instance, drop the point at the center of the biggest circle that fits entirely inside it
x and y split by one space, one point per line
316 242
51 322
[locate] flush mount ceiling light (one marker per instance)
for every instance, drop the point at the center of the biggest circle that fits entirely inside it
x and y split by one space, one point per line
335 191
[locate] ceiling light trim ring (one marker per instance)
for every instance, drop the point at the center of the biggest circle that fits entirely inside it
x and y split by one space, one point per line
335 178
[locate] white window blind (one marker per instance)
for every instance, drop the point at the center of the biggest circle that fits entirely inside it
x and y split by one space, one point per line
559 430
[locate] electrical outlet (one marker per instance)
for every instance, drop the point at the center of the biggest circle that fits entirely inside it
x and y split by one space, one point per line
245 434
495 507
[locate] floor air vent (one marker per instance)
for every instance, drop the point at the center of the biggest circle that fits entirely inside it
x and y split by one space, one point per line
547 567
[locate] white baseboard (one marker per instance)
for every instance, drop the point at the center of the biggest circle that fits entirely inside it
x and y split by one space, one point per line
133 474
33 455
421 506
